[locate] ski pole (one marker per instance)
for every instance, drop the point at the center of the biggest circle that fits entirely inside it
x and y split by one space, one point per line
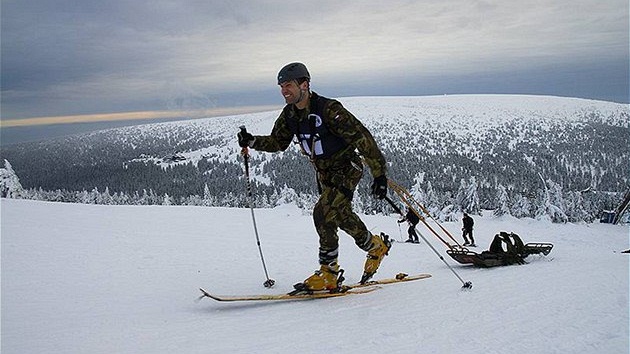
466 284
399 212
245 152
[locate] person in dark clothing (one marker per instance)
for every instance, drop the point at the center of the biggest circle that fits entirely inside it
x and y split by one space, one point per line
468 230
412 219
338 145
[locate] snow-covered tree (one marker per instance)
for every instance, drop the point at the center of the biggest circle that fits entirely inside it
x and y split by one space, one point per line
358 204
432 202
467 197
521 207
10 186
556 196
575 208
550 203
121 198
448 213
286 196
167 200
208 198
106 197
416 190
502 201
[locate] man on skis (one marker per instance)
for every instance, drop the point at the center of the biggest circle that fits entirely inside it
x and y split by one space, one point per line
330 136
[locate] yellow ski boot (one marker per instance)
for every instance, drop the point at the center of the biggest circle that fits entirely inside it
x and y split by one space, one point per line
379 249
328 277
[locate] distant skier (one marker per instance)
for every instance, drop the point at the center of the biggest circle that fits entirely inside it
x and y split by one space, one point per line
329 135
468 230
412 219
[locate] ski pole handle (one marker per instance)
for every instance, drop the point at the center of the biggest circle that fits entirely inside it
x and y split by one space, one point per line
244 149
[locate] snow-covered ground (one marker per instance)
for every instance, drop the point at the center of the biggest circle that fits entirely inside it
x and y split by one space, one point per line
124 279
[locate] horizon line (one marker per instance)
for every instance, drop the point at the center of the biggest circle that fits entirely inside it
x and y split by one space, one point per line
134 115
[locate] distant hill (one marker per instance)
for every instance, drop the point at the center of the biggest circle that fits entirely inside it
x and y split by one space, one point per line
434 145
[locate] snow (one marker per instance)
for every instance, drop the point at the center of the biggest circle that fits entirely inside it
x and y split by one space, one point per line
450 119
124 279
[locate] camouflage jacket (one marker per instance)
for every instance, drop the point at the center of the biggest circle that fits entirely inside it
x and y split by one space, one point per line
339 122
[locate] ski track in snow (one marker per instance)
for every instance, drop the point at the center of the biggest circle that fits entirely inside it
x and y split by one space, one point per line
123 279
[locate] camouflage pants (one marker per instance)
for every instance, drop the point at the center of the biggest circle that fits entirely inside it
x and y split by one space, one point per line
333 211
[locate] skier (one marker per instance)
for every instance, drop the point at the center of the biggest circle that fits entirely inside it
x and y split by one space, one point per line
468 230
329 135
413 220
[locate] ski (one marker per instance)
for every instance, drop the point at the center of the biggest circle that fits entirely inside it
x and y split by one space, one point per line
276 297
352 289
399 278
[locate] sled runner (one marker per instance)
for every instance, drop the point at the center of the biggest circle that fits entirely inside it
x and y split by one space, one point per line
514 251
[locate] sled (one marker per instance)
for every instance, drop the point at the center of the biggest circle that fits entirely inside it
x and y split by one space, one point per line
514 253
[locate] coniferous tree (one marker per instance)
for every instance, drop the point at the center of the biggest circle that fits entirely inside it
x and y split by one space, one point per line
521 207
432 203
208 198
461 195
416 190
468 198
545 207
576 208
106 197
502 202
94 197
286 196
10 186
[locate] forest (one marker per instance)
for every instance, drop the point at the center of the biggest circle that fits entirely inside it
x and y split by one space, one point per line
525 166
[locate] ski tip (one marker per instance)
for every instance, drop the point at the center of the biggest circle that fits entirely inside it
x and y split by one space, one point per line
203 294
207 294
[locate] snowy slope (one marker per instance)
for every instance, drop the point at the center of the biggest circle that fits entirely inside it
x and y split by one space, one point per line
448 118
502 140
123 279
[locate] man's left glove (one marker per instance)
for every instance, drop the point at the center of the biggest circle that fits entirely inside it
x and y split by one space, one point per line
245 139
379 187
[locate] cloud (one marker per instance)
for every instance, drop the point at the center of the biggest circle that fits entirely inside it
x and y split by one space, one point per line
68 57
122 116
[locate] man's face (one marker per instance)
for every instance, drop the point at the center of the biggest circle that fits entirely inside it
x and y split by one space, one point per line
291 91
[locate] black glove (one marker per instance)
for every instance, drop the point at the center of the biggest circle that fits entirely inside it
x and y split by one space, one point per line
379 187
244 138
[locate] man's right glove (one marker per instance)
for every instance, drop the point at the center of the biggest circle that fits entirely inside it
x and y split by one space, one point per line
379 187
244 138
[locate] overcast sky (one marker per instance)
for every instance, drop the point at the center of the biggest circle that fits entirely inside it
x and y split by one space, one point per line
67 57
